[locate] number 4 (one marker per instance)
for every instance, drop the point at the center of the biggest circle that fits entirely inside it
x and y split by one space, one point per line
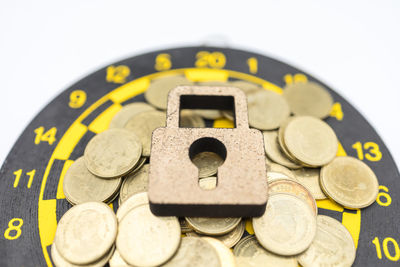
49 136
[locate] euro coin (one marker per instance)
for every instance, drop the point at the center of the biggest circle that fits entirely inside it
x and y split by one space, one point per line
194 252
112 153
287 227
81 186
134 183
157 93
143 125
332 245
249 252
310 140
309 178
267 110
86 232
294 188
309 99
127 112
350 182
225 255
212 226
146 240
274 152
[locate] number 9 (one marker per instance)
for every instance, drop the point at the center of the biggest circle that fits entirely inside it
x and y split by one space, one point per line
77 99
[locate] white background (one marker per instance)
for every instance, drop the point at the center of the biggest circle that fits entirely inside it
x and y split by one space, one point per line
353 46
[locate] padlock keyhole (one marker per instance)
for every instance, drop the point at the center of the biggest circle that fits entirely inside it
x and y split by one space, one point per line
207 150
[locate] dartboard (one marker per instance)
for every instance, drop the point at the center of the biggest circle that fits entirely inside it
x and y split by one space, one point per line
31 179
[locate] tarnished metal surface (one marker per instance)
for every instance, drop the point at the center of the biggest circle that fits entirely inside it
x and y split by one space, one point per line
173 180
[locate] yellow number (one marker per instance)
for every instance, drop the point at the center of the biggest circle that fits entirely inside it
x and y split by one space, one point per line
386 251
14 228
18 174
336 111
374 150
117 74
77 99
253 65
17 177
49 136
388 199
31 174
163 62
296 78
214 60
373 153
378 247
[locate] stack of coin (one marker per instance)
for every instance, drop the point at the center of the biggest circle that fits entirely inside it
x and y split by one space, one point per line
85 236
301 168
97 175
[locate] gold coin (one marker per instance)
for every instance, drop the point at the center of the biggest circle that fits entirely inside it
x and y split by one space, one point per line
207 163
212 226
189 119
59 261
117 261
135 183
143 125
350 182
267 110
157 93
309 178
131 203
278 172
332 245
230 239
86 232
185 228
249 252
287 227
310 140
127 112
294 188
139 165
112 153
209 114
208 183
81 186
225 255
309 99
147 240
281 140
247 88
194 252
274 152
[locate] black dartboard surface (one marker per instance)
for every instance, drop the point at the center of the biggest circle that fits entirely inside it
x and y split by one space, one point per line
31 195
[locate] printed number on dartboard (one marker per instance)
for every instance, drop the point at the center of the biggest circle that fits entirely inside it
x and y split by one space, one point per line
14 229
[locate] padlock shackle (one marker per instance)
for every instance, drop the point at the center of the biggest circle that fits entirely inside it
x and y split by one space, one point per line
207 97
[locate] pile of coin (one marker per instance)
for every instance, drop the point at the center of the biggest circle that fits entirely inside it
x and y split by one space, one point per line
302 168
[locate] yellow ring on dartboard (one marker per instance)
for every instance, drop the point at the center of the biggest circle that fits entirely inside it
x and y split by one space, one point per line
47 220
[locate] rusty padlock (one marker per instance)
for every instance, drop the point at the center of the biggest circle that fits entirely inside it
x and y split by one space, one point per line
242 188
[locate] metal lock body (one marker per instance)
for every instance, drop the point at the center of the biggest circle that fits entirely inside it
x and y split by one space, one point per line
242 188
